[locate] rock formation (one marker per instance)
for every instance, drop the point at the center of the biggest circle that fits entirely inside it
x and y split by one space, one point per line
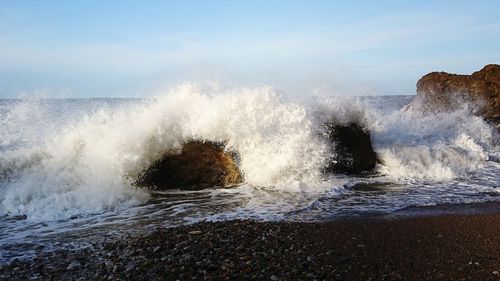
441 91
199 165
353 151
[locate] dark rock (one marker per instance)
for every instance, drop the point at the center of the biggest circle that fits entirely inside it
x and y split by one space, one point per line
353 151
494 121
441 92
199 165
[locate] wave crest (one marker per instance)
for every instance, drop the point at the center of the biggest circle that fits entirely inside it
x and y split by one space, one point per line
84 161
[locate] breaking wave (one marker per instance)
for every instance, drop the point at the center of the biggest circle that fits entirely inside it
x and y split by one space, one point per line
61 159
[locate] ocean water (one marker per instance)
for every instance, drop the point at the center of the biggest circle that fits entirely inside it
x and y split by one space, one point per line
67 165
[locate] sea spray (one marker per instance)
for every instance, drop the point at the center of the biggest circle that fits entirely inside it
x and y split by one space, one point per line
60 159
436 147
88 165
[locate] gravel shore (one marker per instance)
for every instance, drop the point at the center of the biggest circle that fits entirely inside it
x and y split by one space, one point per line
448 247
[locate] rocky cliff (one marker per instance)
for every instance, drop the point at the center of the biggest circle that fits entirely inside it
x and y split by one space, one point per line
441 91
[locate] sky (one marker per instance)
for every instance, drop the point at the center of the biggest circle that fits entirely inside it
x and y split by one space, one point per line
136 48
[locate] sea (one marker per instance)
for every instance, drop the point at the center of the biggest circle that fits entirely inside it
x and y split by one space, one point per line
67 166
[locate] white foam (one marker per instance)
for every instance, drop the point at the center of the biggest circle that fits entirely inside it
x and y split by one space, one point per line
87 166
432 147
85 163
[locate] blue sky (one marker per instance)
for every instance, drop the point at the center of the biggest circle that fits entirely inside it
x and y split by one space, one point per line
136 48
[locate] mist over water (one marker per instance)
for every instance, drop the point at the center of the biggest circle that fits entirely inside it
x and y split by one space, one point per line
68 165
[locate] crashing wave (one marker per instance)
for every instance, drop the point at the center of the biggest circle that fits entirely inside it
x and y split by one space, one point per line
85 163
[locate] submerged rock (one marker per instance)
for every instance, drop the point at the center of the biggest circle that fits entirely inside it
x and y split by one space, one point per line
199 165
353 149
441 91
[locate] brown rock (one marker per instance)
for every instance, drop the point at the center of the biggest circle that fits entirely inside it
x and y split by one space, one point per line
199 165
441 91
353 149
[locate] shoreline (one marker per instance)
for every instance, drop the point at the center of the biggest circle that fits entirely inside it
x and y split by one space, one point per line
426 247
491 207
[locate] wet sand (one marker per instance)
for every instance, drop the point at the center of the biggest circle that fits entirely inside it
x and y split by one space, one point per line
438 247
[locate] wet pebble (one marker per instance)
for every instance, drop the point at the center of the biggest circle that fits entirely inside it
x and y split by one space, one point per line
74 265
